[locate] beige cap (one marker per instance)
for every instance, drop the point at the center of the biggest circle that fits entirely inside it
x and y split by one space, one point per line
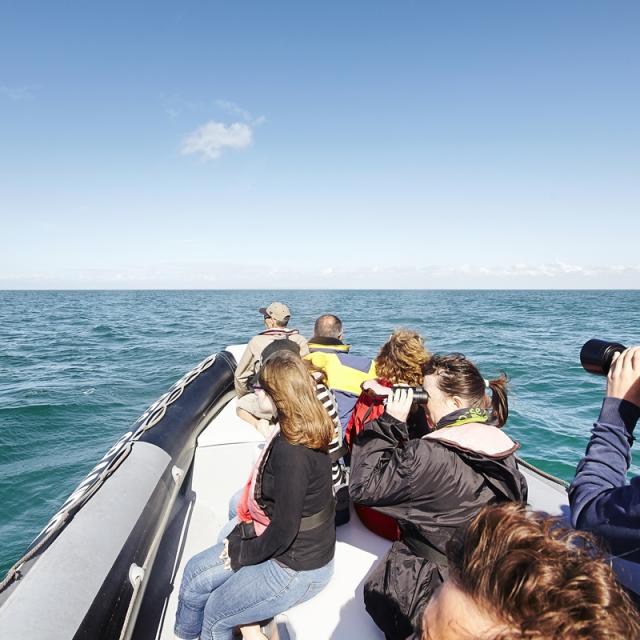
276 310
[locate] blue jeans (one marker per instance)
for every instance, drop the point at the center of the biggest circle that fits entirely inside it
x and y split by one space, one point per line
227 529
213 600
234 502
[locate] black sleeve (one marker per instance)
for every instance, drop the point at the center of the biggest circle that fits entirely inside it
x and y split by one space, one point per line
291 479
417 423
383 463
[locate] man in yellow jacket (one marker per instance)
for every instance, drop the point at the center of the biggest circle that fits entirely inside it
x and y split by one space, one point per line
345 372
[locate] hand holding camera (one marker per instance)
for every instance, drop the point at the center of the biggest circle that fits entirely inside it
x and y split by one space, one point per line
623 380
619 364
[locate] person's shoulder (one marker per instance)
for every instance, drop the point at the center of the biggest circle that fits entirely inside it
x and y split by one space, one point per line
255 340
282 445
475 438
318 357
432 450
292 457
363 364
259 342
280 448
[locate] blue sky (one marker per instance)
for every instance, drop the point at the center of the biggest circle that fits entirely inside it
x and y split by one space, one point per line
359 144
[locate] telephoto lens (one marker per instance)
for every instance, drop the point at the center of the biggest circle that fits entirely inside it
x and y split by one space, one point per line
596 355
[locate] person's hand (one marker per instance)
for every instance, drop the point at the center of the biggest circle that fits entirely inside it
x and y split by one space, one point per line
623 381
399 403
224 556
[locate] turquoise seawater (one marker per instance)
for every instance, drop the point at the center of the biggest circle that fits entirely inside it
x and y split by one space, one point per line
77 368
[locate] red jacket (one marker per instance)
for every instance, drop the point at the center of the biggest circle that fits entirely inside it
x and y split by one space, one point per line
370 408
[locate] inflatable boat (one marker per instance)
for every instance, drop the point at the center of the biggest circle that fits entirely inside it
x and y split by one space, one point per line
110 562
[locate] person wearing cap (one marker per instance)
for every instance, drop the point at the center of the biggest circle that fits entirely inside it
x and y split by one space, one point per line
345 372
276 318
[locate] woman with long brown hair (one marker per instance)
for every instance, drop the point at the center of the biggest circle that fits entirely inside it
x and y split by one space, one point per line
281 553
431 485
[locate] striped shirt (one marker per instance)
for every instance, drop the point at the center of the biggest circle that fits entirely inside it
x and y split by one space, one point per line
328 401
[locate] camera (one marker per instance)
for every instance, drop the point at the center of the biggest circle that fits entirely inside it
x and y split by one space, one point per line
596 355
377 390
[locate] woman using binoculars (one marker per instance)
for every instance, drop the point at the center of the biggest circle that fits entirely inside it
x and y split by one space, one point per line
431 485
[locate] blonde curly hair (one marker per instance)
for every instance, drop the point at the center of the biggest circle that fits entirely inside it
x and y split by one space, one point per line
402 358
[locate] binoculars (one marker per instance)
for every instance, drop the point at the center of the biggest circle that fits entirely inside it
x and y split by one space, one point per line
376 390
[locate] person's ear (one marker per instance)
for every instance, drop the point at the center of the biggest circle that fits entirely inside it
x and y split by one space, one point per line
457 401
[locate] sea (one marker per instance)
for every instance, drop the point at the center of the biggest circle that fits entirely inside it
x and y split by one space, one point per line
78 367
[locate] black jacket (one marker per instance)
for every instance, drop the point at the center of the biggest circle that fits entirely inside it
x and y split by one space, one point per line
432 486
295 482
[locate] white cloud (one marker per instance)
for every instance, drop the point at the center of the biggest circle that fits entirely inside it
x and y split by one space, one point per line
549 271
234 109
16 94
237 110
312 276
212 138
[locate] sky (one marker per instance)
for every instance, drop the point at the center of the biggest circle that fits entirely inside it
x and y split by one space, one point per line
182 145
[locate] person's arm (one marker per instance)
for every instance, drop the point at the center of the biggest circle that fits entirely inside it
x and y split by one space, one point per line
328 401
291 480
381 467
303 344
243 371
600 499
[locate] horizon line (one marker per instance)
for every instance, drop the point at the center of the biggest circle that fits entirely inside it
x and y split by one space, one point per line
113 289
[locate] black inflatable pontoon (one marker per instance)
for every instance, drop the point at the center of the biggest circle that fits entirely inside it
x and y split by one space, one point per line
85 573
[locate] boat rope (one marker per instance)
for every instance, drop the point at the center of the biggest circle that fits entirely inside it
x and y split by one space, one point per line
106 467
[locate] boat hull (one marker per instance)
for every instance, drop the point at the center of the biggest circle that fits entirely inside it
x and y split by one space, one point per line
85 574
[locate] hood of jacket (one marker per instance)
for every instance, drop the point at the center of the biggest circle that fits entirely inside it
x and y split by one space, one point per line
476 437
489 451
